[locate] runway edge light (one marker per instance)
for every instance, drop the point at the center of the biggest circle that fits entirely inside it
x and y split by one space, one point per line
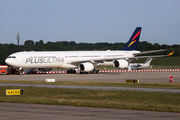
14 92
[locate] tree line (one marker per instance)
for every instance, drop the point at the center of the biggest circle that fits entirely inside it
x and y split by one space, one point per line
30 45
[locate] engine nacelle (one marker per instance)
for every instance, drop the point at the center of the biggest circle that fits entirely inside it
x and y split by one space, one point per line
85 67
44 69
120 63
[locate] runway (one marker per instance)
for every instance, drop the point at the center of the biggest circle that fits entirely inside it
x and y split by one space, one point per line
17 111
115 77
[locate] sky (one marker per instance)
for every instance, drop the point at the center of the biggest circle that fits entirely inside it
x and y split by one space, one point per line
89 21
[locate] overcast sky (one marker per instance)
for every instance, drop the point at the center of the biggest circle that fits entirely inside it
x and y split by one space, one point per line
89 21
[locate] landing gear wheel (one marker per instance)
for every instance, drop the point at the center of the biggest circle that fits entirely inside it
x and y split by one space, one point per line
94 71
97 71
71 71
74 71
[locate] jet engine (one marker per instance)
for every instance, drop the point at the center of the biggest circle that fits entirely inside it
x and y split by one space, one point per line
120 63
44 69
85 67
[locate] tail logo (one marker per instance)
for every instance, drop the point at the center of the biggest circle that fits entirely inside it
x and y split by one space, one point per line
133 40
170 54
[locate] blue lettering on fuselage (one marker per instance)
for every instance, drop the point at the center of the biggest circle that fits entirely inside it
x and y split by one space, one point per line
48 59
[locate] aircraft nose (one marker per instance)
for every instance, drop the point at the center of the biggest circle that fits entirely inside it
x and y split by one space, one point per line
7 61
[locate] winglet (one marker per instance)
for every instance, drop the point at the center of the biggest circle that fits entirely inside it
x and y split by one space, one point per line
170 54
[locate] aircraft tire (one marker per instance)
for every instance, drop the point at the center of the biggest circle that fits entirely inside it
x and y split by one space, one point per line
97 71
92 72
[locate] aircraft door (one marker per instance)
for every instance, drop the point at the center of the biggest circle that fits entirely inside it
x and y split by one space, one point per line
23 58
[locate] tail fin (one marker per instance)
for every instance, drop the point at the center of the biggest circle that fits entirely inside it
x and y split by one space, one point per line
133 41
148 61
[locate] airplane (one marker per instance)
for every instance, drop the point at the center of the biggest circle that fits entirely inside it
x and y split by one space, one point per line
137 66
83 61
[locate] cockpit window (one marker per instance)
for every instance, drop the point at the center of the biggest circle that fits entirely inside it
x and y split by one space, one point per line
11 57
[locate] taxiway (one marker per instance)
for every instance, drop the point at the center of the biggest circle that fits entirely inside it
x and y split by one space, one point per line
115 77
17 111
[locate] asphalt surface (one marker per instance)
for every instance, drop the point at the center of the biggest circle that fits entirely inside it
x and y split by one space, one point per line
17 111
97 88
10 111
116 77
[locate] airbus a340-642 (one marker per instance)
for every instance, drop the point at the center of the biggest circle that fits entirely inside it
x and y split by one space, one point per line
83 61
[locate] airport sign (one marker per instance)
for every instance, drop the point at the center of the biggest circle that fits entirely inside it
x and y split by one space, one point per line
14 91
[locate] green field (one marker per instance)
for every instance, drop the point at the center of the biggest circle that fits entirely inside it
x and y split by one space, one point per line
152 101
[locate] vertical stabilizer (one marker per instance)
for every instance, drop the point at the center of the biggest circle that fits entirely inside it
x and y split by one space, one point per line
133 41
148 61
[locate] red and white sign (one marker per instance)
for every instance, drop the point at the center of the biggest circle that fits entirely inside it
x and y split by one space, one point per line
171 77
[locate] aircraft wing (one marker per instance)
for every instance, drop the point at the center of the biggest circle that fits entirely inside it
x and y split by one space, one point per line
141 57
77 62
147 52
154 56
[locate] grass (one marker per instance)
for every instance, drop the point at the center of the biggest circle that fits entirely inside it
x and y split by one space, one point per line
151 101
94 83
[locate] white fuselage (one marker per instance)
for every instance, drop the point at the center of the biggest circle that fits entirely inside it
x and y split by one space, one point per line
62 59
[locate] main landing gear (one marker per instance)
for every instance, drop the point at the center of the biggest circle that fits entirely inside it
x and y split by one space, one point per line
71 71
75 71
94 72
